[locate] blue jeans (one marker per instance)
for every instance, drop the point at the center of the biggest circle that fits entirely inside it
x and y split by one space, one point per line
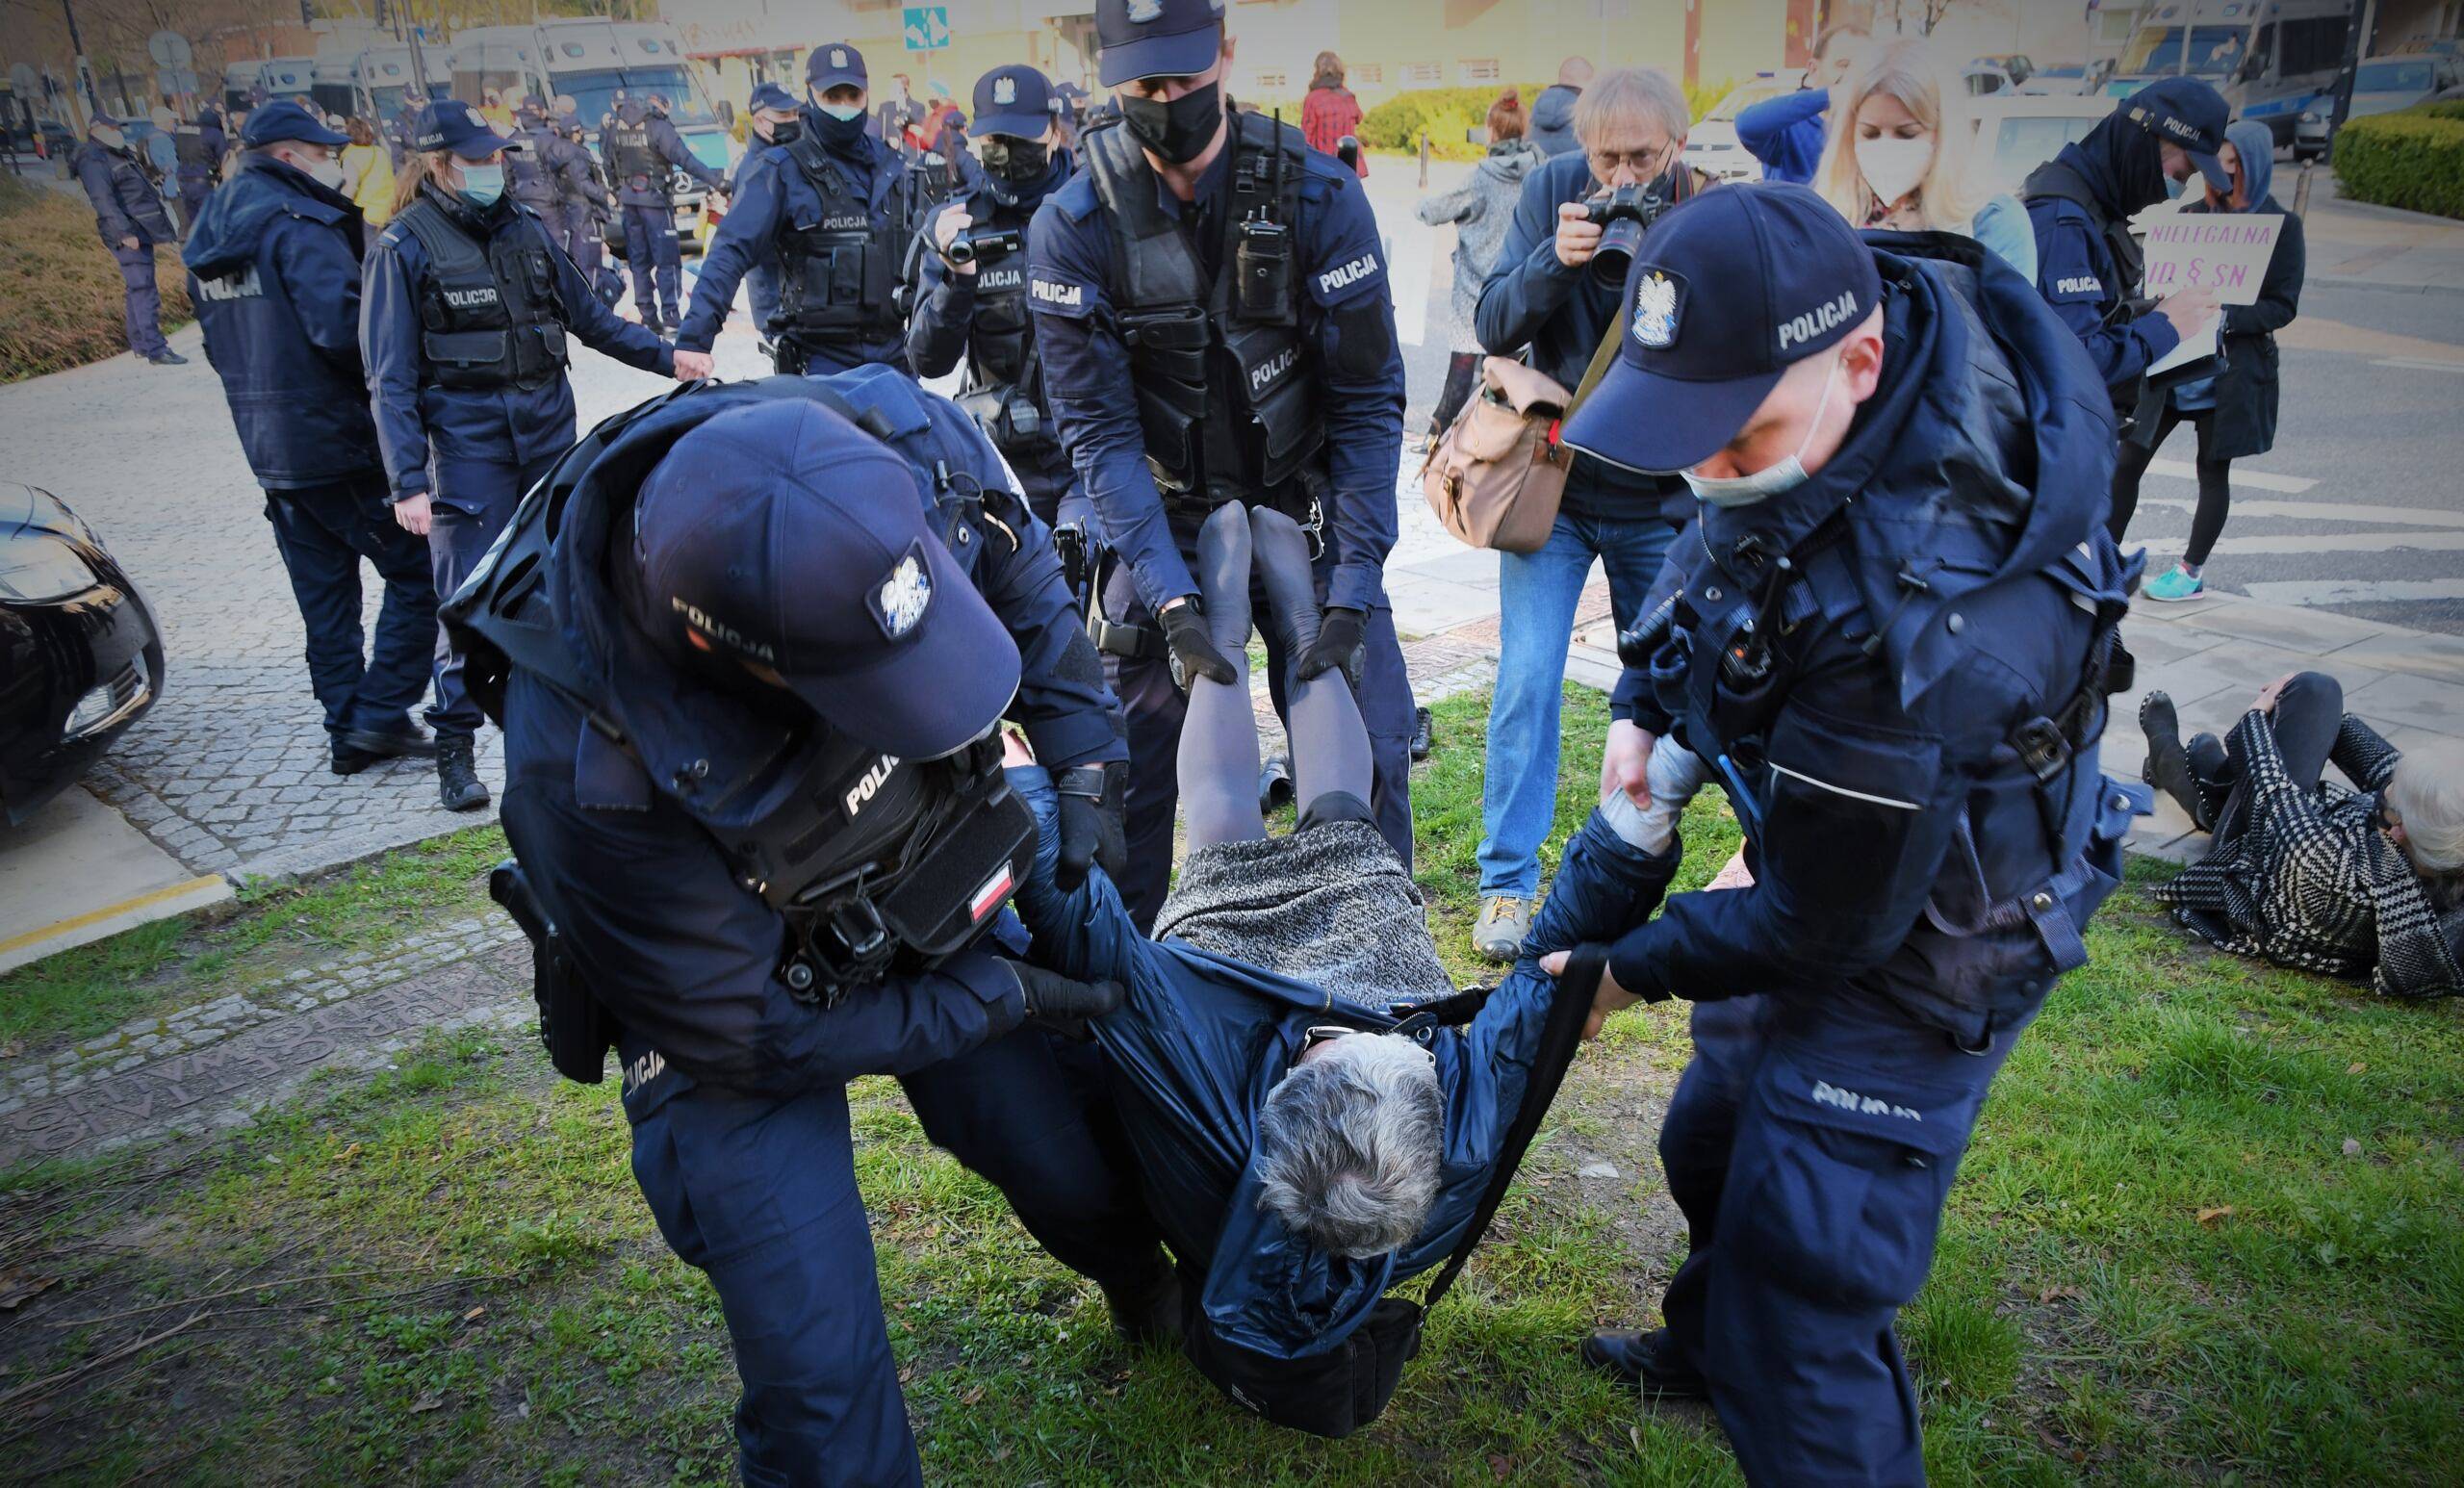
1537 594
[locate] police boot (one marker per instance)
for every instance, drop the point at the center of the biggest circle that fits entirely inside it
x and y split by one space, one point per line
1648 1361
1146 1310
458 777
356 749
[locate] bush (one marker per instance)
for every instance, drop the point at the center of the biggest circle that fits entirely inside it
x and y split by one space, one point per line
61 297
1446 112
2413 159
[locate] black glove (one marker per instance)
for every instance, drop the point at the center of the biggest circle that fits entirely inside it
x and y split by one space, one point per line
1093 835
1343 640
1193 653
1053 998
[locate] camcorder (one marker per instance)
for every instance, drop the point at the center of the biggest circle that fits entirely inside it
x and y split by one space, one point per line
978 244
1624 214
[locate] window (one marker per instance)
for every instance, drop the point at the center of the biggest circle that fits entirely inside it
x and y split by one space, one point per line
1476 69
1370 72
1269 81
1421 74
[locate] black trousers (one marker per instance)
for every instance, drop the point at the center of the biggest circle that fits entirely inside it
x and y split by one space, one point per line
2215 482
323 533
2309 715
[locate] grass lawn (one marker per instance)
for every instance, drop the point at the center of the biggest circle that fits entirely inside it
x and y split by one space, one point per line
2213 1228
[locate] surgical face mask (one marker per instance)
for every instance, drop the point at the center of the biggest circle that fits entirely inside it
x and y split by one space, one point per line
1178 129
1775 480
111 139
327 173
843 112
2173 189
1893 167
482 185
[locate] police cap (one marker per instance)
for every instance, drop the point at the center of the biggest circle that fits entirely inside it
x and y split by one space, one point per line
1157 38
2188 113
1015 100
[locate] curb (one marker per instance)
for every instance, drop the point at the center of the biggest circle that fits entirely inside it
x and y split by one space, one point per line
2338 282
177 899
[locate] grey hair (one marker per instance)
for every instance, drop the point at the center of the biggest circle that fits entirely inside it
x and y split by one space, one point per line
1348 1145
2426 794
1631 98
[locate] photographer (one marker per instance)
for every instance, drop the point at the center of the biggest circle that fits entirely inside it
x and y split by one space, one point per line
1548 299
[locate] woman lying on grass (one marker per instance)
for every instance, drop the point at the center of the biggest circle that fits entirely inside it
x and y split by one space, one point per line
2366 884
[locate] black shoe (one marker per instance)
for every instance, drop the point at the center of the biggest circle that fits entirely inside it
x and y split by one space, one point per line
356 749
1275 785
1423 735
457 778
2168 763
1147 1312
1646 1361
168 358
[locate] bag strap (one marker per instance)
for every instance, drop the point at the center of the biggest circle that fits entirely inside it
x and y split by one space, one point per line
1569 1009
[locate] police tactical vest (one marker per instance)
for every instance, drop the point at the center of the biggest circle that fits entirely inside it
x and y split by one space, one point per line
632 157
1003 385
838 275
2058 182
489 315
530 174
1227 399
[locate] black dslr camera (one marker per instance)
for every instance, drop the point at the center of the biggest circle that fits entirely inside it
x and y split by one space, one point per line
1624 213
984 243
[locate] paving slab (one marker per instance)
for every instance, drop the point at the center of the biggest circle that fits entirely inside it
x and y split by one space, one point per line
2407 701
77 871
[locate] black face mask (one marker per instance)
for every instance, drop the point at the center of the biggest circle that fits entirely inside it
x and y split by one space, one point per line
1015 163
1179 130
837 135
787 132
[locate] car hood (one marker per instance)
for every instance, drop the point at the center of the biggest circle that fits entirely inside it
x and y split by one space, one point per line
26 511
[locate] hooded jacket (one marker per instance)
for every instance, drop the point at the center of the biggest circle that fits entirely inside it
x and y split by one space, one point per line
2075 204
273 270
1951 563
1203 1037
1552 120
1481 209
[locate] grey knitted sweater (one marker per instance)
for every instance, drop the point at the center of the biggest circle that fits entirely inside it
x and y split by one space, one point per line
1331 906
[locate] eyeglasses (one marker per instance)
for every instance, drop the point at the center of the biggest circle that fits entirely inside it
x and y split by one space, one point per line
1645 163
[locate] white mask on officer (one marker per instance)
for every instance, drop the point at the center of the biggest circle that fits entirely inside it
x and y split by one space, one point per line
1777 479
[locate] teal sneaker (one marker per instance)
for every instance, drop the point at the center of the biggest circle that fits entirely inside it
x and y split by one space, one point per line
2175 586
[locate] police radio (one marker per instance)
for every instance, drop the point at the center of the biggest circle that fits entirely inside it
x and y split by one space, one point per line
1262 252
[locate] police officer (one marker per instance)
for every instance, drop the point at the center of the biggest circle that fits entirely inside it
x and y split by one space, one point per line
2080 204
275 266
773 110
534 173
760 580
1890 639
582 183
1214 321
975 308
129 214
642 149
1071 113
198 159
838 208
465 313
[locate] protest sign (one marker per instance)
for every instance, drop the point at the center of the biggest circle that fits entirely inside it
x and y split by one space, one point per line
2226 252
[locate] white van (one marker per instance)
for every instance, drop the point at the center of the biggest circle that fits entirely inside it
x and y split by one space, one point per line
1711 145
2271 59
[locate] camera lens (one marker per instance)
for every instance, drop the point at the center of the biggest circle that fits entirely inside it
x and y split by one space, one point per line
1616 251
962 250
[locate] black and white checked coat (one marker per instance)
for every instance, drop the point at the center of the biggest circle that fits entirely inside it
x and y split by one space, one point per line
2313 882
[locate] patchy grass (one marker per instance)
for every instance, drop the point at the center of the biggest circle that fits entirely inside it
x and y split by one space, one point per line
176 962
444 1273
61 302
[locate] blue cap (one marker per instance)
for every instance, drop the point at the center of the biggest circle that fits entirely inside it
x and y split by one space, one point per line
2188 113
770 95
451 124
1727 291
781 534
1157 38
288 121
1014 101
833 63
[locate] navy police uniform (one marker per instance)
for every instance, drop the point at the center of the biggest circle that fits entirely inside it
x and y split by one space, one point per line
979 319
2080 204
582 183
838 209
761 279
535 175
275 268
464 320
921 613
1175 391
641 148
127 207
1897 666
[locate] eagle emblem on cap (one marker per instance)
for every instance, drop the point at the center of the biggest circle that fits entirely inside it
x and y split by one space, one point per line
1655 311
1005 89
904 596
1142 11
839 57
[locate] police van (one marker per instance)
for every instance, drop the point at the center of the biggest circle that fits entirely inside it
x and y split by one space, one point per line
2271 59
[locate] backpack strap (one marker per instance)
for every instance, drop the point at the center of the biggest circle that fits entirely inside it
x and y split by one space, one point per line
1569 1009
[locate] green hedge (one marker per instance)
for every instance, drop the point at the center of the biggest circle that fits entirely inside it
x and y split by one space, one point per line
1446 112
2412 159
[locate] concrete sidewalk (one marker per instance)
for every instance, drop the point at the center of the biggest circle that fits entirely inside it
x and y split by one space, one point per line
2354 245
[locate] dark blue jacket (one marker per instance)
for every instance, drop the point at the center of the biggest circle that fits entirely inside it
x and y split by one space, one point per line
2115 165
125 203
635 191
772 196
273 270
1203 1037
1899 844
1532 299
507 426
1552 120
1340 264
1786 132
678 950
209 123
